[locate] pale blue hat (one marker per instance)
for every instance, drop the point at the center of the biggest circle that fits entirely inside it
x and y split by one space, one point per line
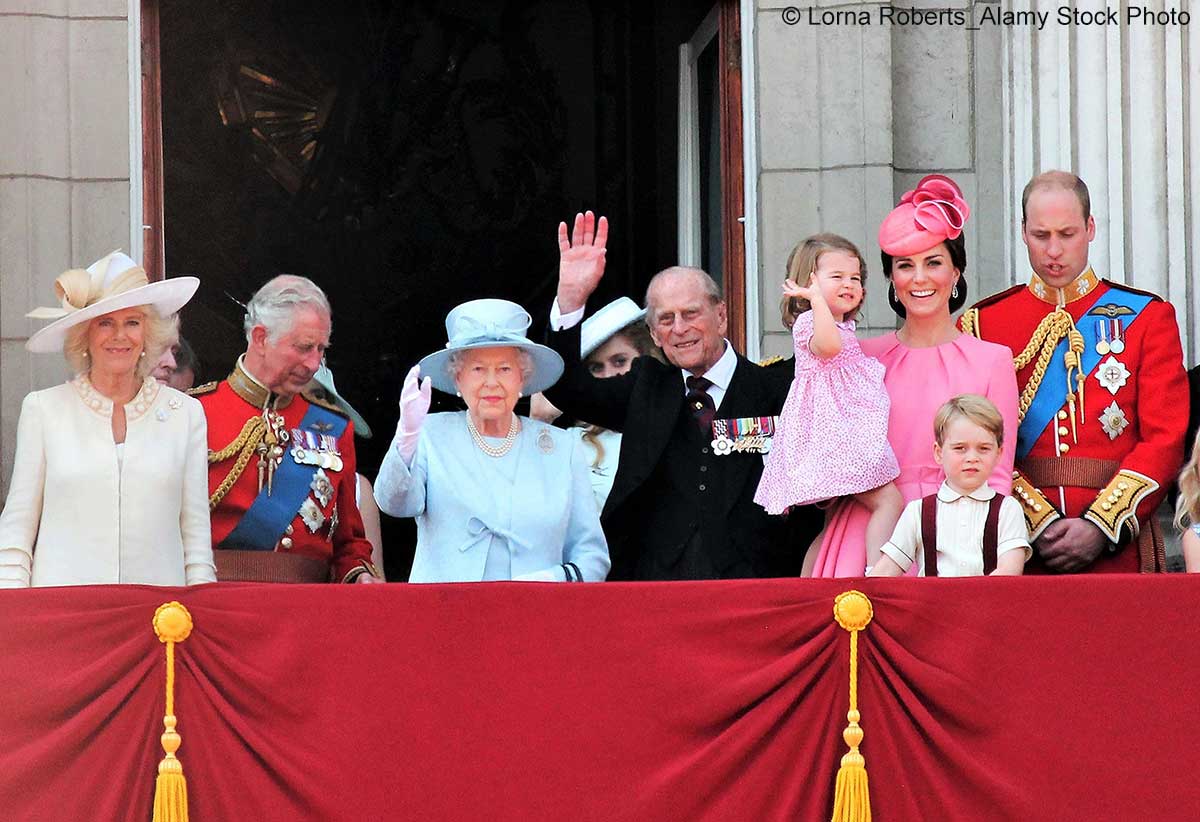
491 323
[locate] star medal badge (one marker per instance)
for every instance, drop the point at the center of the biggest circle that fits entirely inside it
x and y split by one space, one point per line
545 442
1112 374
1113 420
311 516
321 487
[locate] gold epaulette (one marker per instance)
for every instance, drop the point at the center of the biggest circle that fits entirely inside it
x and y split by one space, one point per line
1116 505
200 390
319 398
765 361
1038 511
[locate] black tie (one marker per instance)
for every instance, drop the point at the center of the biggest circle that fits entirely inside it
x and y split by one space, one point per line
700 403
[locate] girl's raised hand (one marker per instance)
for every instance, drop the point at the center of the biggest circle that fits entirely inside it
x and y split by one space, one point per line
793 289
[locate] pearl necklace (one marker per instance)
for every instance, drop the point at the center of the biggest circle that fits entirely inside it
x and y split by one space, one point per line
494 450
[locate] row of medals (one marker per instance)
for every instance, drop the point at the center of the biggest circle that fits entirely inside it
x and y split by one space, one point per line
322 451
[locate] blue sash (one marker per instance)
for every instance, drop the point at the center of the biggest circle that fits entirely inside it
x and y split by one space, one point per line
1053 391
266 519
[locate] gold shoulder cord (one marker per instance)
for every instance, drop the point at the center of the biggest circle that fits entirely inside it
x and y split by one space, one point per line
244 445
1053 328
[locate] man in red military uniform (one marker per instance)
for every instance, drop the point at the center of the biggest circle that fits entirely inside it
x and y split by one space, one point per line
281 476
1102 403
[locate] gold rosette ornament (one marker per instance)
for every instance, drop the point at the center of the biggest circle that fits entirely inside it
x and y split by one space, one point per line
852 800
172 623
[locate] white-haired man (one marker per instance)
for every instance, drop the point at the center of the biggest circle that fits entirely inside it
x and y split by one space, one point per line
281 476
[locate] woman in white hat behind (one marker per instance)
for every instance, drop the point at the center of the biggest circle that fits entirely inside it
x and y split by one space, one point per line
609 341
496 496
110 479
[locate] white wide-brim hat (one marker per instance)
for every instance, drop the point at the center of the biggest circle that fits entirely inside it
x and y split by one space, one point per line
491 323
324 378
601 326
112 283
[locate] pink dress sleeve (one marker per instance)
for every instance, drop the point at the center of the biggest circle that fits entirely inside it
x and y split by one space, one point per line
1002 391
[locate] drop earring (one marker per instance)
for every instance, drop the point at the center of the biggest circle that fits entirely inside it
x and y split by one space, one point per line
954 293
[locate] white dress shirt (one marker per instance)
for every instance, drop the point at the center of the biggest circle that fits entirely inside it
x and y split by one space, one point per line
960 522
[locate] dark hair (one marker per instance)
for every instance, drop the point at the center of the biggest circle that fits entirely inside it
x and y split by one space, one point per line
1058 179
958 258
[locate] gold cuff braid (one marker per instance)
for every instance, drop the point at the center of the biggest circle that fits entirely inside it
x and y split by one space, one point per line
1116 505
1038 510
244 445
364 567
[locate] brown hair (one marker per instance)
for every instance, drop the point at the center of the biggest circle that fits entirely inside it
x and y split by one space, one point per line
803 261
1058 179
974 407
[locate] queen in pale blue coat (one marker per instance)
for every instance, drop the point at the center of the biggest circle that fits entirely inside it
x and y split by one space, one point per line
496 496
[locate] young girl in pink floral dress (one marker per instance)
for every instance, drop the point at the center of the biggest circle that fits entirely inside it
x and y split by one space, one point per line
831 439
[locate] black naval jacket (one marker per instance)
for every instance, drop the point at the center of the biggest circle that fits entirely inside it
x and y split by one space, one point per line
676 510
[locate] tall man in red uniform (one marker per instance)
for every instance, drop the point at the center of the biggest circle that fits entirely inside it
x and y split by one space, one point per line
1103 393
281 475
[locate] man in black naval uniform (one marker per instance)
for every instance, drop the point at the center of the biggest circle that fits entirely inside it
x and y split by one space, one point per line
678 509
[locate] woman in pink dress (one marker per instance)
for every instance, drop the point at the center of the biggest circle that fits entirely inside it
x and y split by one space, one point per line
926 362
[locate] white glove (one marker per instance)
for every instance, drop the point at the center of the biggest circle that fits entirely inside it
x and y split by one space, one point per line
415 397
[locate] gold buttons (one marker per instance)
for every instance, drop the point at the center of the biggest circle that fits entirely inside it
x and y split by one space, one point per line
1063 448
1062 415
1062 431
1123 486
1107 506
288 531
286 543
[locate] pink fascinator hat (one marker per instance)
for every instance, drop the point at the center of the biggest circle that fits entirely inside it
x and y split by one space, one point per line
931 213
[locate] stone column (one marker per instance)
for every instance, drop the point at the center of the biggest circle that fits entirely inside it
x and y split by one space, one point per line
64 169
852 114
1120 106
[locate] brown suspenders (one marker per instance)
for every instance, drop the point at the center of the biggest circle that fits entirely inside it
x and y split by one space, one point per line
991 530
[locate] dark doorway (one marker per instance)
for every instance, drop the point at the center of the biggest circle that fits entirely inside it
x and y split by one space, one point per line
407 157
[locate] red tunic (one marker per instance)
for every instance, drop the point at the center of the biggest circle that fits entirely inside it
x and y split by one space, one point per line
1114 465
338 539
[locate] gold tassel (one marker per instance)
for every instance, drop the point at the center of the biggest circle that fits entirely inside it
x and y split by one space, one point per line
172 623
852 798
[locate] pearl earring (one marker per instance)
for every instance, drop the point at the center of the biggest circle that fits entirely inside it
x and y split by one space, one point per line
458 393
86 355
520 394
142 354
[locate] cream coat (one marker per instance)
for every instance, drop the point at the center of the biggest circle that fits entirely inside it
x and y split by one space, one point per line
75 517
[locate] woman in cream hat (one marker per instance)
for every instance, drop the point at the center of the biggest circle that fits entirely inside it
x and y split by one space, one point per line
496 496
110 480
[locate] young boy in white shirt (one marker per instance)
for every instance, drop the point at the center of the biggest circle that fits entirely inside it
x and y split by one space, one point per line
966 528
